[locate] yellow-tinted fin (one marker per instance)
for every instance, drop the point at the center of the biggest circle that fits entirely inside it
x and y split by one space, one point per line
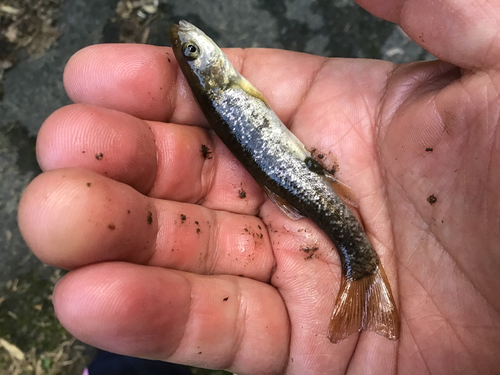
365 304
284 206
250 89
342 190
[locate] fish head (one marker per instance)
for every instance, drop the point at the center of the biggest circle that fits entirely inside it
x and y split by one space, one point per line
203 63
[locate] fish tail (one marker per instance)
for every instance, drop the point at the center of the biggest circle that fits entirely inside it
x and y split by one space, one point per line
366 304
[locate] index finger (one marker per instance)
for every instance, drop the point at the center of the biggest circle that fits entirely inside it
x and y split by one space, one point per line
146 82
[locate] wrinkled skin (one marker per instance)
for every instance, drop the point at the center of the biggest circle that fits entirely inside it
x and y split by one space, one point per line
145 282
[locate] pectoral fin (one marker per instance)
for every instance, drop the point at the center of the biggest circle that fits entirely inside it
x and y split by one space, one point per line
250 89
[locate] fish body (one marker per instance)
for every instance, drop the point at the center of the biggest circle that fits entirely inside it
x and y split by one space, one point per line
292 178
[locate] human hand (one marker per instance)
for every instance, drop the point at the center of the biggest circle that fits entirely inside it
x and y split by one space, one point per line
166 251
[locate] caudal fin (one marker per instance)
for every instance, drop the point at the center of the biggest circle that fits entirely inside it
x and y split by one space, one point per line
366 304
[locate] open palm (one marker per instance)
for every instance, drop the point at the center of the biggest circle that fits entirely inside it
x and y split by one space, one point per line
176 254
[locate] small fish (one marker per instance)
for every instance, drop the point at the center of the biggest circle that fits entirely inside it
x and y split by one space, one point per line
241 117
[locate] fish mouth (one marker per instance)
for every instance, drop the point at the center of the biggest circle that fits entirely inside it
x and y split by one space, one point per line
177 31
186 26
182 27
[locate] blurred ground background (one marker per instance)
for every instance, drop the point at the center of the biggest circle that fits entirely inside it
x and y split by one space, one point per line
37 37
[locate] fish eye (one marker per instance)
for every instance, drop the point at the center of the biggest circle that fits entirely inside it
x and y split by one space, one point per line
190 50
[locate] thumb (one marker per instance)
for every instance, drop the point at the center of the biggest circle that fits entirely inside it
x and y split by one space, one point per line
462 32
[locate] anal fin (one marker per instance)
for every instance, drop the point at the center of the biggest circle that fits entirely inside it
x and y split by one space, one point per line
365 304
342 190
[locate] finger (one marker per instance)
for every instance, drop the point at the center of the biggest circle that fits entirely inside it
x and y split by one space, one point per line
107 142
134 80
167 161
216 322
73 217
145 81
461 32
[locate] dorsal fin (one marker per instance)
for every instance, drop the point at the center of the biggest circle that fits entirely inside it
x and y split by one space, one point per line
284 206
